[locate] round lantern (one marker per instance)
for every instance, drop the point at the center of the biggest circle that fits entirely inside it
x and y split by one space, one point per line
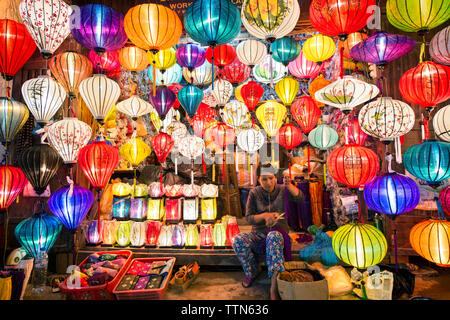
386 118
251 52
441 123
190 56
250 140
134 107
12 183
417 15
236 72
69 69
135 151
14 114
318 48
289 136
162 100
121 189
306 112
323 137
163 59
285 50
98 27
444 199
431 240
271 115
359 245
70 205
223 55
39 163
340 18
352 40
222 134
200 76
106 62
43 96
269 20
47 22
251 94
17 47
353 165
203 119
302 68
191 147
169 77
440 47
68 136
287 89
427 84
269 70
318 83
222 92
354 132
235 114
429 161
133 58
100 94
190 98
162 144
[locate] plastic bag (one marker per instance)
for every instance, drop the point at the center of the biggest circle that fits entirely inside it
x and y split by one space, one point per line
339 282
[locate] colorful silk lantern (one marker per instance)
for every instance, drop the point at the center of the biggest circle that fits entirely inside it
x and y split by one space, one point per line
359 245
208 209
138 208
271 115
155 208
17 47
319 48
302 68
165 236
352 40
200 76
133 58
440 47
38 233
222 92
417 15
287 89
251 52
162 100
285 50
219 235
232 230
237 91
123 233
250 140
206 236
153 231
427 84
340 18
236 72
98 27
353 165
162 144
202 119
163 59
178 235
192 236
173 191
190 98
173 210
444 199
191 147
172 75
251 94
269 20
13 115
441 123
429 161
93 237
190 190
190 210
121 189
12 183
106 62
269 70
109 232
323 137
318 83
154 190
134 107
354 132
121 207
190 56
135 151
43 96
223 55
289 137
222 135
137 234
235 114
306 112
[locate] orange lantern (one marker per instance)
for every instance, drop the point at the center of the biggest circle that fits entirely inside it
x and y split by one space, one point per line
133 58
317 84
352 40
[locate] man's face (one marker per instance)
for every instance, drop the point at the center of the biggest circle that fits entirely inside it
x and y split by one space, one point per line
268 182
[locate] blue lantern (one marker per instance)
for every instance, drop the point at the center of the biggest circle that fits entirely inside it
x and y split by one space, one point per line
429 161
121 207
285 50
171 75
70 205
38 233
190 98
190 56
323 137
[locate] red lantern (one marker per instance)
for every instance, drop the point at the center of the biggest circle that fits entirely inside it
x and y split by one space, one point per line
162 144
340 17
12 182
289 136
251 94
427 84
175 87
444 199
236 72
206 238
355 134
353 165
232 230
152 235
114 74
106 62
173 212
223 55
17 46
202 117
306 112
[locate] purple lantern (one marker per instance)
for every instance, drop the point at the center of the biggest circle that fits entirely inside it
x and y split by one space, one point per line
162 100
190 56
93 237
382 48
98 27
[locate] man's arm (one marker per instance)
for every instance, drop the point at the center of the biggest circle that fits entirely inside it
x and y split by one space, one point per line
251 215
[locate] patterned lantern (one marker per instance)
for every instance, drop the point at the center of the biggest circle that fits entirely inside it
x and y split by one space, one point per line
69 69
232 230
68 136
200 76
340 18
155 208
352 40
206 237
346 93
93 237
223 90
190 210
271 115
98 27
43 96
444 199
429 161
190 98
173 191
170 76
202 119
100 94
137 234
318 48
386 118
190 56
121 207
162 145
269 20
318 83
353 165
135 151
191 147
12 182
109 232
192 236
133 58
251 52
359 245
219 235
440 47
306 112
134 107
123 233
354 132
17 47
223 55
250 140
251 94
106 62
269 70
302 68
441 123
323 137
13 115
287 89
427 84
236 72
162 100
235 114
222 134
289 136
138 208
285 50
153 231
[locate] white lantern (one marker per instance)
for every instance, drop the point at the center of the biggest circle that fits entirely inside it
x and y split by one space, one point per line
68 136
251 52
171 75
47 22
346 93
177 131
441 123
100 94
250 140
440 47
134 107
190 209
262 72
165 236
386 118
191 146
235 114
43 96
172 116
200 76
222 92
190 190
137 234
209 191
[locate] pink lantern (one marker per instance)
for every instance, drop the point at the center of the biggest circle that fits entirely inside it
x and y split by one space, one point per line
302 68
173 210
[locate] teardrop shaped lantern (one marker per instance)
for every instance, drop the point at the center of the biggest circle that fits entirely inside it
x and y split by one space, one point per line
100 94
444 199
13 115
302 68
251 93
251 52
133 58
441 123
190 98
91 232
39 163
440 47
162 100
285 50
271 115
106 62
171 76
43 96
69 69
222 92
354 132
162 144
319 48
12 182
323 137
190 56
223 55
135 151
236 72
287 89
134 107
68 136
235 114
17 47
306 112
200 76
202 119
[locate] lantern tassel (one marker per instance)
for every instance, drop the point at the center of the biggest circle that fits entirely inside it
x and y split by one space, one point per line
309 158
176 166
204 165
223 165
154 82
341 61
398 150
324 173
212 68
236 159
290 175
213 171
251 174
98 210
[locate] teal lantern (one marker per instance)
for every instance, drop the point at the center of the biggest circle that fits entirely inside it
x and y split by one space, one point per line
323 137
171 75
285 50
38 233
190 98
429 161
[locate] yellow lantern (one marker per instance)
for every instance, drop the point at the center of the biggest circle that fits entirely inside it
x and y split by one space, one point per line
208 209
123 233
135 151
237 92
192 236
219 235
271 115
155 209
109 228
162 60
319 48
121 189
287 89
133 58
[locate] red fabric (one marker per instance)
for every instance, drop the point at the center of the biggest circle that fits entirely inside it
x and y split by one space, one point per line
306 112
203 115
251 94
303 68
236 72
12 182
175 87
223 55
